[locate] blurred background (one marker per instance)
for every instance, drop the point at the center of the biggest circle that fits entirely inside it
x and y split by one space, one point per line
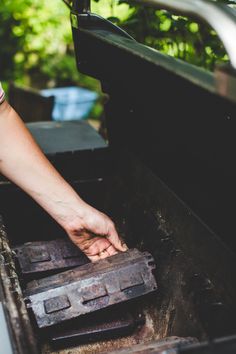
36 48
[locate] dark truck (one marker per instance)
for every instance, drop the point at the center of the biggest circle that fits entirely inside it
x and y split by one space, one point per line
167 177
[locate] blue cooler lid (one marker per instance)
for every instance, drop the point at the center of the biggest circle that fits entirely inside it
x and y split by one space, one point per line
71 103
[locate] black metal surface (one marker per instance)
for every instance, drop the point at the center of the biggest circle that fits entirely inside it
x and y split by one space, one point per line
91 287
101 326
37 259
168 345
129 55
195 263
21 334
94 21
224 345
171 118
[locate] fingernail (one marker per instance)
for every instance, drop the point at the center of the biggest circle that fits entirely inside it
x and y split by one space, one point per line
125 247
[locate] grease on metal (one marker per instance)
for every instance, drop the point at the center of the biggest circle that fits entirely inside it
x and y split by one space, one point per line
91 287
39 258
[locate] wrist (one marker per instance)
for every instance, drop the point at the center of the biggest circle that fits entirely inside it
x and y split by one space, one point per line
71 213
66 210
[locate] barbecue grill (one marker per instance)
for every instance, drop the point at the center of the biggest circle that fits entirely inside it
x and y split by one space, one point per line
167 177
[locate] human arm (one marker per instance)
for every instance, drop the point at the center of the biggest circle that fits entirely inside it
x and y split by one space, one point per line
22 161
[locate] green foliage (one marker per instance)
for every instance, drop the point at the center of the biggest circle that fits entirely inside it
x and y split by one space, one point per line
37 42
174 35
111 9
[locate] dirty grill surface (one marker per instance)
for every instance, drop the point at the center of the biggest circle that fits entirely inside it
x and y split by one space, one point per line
37 259
105 325
91 287
170 345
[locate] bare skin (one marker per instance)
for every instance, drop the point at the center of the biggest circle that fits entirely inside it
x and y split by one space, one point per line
22 161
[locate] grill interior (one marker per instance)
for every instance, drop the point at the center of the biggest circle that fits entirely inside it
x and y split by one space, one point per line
193 300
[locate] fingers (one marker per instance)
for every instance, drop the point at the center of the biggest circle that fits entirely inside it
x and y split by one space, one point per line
91 245
98 238
94 247
104 254
111 250
103 226
94 258
97 246
115 239
108 252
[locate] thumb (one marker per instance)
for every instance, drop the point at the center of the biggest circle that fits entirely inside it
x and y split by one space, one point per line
115 239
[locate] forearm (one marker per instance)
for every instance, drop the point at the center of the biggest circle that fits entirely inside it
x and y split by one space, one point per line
22 161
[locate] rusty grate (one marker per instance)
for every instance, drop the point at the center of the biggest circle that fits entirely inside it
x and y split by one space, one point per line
105 325
91 287
37 259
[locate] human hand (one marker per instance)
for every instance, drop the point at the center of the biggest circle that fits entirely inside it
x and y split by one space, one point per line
95 234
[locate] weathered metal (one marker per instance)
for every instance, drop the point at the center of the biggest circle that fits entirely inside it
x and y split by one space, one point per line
91 287
21 334
44 257
168 345
110 324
